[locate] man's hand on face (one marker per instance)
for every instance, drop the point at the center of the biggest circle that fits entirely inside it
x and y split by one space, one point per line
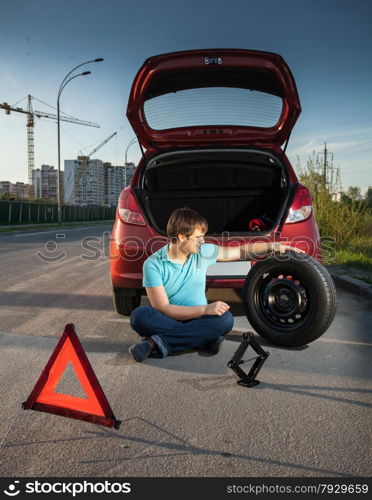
216 308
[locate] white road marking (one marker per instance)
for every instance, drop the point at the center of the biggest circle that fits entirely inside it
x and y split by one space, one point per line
82 262
101 263
21 235
8 312
242 330
119 320
336 341
44 272
321 339
59 262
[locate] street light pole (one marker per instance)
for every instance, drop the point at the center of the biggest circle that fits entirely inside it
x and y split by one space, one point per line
59 218
131 142
65 81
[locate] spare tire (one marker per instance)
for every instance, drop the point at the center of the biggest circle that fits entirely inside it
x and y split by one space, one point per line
289 299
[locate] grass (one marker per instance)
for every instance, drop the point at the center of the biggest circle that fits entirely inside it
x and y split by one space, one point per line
15 227
347 224
355 264
356 253
366 279
345 256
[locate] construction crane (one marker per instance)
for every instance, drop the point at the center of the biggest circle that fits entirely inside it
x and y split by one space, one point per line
83 163
30 129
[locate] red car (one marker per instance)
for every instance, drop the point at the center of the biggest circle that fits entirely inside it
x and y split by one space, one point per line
212 124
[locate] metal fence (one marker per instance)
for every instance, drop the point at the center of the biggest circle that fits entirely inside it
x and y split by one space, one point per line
13 212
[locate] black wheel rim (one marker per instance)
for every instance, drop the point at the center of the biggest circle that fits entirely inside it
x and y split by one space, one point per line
283 300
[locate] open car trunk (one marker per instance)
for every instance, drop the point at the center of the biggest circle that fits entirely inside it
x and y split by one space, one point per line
229 188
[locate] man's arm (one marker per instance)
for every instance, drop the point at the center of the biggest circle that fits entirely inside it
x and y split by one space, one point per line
248 251
159 300
252 251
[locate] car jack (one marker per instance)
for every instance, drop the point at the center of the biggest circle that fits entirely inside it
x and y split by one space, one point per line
248 379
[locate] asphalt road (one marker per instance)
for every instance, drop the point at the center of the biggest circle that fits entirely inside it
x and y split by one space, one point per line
181 416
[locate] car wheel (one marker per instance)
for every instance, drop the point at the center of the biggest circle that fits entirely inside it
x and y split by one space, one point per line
125 304
289 299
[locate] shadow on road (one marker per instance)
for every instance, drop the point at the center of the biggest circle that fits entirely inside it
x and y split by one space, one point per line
57 300
170 442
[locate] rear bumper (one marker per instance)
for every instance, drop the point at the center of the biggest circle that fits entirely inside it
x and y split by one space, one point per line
228 282
126 263
134 281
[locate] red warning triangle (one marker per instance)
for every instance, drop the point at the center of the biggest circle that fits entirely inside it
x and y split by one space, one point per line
95 408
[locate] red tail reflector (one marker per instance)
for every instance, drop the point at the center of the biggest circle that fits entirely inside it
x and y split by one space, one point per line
128 209
302 205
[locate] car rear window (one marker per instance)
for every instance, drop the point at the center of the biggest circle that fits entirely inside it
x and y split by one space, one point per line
213 106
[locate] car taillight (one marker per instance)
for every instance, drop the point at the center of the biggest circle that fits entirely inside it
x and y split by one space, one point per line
301 207
128 209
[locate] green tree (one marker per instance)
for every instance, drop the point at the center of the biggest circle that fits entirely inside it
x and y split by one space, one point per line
341 220
7 196
368 197
353 192
40 200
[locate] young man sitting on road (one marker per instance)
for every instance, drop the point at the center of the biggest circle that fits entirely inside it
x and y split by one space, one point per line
180 317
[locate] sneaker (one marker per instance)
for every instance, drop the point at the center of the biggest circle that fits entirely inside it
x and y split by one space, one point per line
215 346
140 351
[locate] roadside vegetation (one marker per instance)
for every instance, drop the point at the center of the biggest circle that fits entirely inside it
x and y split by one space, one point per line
344 218
12 197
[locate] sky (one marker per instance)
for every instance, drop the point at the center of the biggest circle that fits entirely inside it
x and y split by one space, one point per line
326 43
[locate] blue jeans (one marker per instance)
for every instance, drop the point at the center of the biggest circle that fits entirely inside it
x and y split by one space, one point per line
171 335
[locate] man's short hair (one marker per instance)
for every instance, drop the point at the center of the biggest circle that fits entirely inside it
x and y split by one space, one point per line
184 221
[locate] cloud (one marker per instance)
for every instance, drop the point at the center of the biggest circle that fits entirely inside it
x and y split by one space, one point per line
333 147
9 83
318 146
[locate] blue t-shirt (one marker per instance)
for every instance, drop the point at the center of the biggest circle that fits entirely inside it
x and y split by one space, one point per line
184 283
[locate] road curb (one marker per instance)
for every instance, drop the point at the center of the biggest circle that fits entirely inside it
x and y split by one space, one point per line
352 285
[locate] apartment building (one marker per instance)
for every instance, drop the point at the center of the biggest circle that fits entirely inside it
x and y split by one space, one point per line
84 182
6 187
116 178
92 182
21 190
44 182
131 167
17 190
